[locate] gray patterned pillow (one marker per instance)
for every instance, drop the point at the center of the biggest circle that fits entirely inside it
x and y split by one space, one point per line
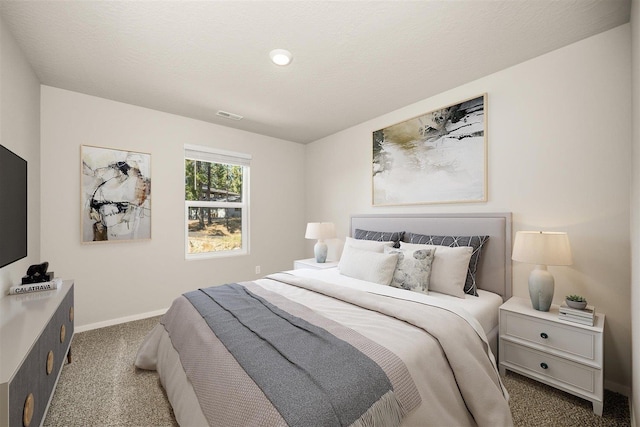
380 236
413 269
476 242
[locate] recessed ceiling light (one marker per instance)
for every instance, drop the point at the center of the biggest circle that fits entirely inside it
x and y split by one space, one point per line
280 56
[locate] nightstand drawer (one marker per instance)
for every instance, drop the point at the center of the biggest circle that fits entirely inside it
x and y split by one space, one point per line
575 341
571 374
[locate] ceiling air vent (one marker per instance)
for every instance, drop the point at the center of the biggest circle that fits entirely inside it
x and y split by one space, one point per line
227 115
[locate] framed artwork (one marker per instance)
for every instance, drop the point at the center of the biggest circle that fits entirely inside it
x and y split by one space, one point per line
115 195
438 157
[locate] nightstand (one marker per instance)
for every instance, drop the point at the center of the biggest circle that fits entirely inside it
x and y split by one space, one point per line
312 264
564 355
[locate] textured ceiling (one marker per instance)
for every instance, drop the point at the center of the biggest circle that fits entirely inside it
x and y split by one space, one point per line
353 60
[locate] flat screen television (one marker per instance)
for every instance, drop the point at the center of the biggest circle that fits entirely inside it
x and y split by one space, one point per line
13 207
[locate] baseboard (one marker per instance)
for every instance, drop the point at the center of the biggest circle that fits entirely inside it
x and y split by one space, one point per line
617 388
119 320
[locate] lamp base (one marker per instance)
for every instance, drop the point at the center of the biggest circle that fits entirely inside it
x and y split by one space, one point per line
541 287
320 250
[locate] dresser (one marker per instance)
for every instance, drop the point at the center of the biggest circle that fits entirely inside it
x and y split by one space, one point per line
312 264
562 354
36 330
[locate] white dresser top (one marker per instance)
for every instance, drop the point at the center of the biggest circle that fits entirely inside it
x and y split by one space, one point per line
22 320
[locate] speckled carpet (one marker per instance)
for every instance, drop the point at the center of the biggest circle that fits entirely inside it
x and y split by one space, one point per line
101 387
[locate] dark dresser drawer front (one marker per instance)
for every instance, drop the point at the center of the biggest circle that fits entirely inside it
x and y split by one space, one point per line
32 377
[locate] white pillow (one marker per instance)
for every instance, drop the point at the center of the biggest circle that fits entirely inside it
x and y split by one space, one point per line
367 245
367 265
449 268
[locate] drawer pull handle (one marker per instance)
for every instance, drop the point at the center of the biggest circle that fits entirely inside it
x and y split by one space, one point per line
63 333
544 336
27 411
49 362
544 365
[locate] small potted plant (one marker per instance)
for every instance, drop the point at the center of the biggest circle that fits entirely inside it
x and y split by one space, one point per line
576 301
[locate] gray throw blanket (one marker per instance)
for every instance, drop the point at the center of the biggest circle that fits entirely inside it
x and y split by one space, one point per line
308 374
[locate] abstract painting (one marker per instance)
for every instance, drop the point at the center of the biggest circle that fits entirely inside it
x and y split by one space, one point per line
115 195
438 157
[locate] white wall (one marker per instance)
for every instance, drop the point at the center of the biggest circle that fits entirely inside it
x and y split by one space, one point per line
635 210
559 158
115 280
20 133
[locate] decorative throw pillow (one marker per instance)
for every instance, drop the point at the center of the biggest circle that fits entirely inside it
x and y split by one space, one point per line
366 265
476 242
448 269
367 245
380 236
413 269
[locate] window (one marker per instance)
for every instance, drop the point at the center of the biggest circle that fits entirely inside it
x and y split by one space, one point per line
216 198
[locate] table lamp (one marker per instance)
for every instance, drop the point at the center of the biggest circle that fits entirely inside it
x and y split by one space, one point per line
320 231
541 248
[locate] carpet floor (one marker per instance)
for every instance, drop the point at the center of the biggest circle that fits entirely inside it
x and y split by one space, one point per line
101 387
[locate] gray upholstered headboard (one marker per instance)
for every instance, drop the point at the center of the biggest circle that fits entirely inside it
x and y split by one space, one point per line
494 272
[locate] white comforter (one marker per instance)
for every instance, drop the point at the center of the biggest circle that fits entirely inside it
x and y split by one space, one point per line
484 307
442 401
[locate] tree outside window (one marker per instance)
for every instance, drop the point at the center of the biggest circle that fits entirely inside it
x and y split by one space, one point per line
216 208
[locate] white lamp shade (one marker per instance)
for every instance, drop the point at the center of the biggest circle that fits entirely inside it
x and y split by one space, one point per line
542 248
320 230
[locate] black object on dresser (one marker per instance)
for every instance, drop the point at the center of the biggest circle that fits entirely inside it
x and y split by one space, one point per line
38 273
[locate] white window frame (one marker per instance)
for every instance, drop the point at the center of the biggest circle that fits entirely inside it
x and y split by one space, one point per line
213 155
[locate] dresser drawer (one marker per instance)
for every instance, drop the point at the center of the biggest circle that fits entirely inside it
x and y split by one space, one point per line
553 368
564 338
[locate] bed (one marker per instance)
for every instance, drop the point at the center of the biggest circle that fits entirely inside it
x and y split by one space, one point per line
395 357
